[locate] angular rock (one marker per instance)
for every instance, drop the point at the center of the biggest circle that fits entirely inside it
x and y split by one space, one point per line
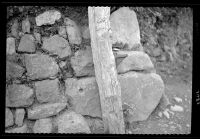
82 63
85 32
10 46
19 96
9 118
48 17
71 122
19 116
57 45
47 91
40 66
137 61
15 29
13 71
37 37
26 26
62 31
141 94
27 44
125 27
43 126
22 129
85 95
41 111
73 32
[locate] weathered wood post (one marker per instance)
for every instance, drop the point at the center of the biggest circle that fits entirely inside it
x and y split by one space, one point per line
105 70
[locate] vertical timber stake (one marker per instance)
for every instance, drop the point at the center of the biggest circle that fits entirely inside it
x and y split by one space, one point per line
105 70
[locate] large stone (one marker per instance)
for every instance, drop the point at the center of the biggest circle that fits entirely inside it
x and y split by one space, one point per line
73 32
27 44
48 17
47 91
10 46
125 27
85 95
140 92
71 122
43 126
19 96
40 66
57 45
13 71
9 118
137 61
26 26
82 63
19 116
22 129
40 111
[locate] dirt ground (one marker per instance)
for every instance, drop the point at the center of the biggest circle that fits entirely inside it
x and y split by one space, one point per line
177 84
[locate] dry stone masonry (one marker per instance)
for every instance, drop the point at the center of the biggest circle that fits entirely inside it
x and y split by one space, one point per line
50 76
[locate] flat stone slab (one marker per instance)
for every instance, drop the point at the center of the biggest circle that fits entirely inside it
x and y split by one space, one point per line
9 118
41 111
40 66
57 45
19 116
19 96
27 44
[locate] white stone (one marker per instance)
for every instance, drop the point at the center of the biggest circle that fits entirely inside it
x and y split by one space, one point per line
10 45
19 116
166 114
177 99
176 108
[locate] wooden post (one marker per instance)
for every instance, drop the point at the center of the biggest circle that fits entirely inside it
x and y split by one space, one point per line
105 70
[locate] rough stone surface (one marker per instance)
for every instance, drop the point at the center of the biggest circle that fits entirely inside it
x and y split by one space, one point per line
137 61
73 32
96 125
62 31
82 63
125 27
15 29
43 126
27 44
19 116
26 26
10 46
22 129
85 32
85 95
71 122
57 45
37 37
141 94
47 90
40 66
19 96
13 70
9 118
40 111
48 17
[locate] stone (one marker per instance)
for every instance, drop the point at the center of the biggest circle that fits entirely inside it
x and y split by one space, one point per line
47 90
22 129
62 31
140 92
40 66
57 45
43 126
85 32
166 113
40 111
15 29
73 32
164 102
18 95
13 71
178 100
176 108
137 61
156 52
9 118
96 125
48 17
125 27
82 63
10 46
37 37
27 44
85 95
71 122
19 116
26 26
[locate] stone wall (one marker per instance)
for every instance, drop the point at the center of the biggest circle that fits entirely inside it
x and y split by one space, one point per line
50 77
